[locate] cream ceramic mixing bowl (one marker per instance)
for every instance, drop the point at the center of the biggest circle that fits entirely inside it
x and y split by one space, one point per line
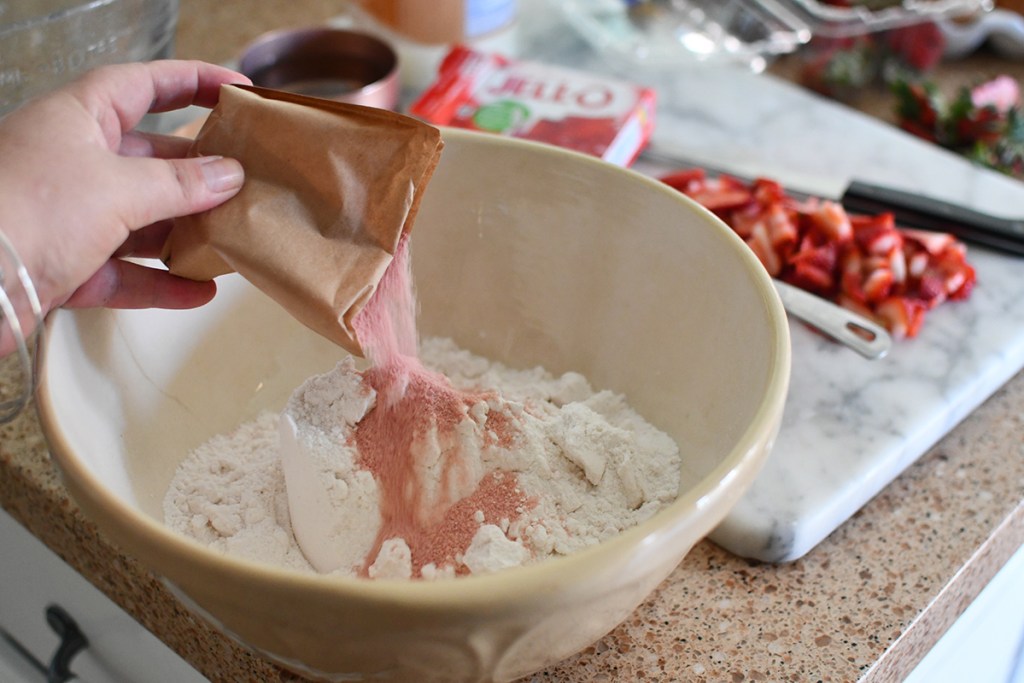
522 253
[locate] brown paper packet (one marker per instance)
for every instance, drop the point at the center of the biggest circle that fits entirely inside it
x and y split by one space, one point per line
329 190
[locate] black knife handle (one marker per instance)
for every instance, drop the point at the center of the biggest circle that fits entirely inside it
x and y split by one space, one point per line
927 213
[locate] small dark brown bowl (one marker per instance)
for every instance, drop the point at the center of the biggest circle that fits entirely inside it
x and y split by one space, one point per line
336 64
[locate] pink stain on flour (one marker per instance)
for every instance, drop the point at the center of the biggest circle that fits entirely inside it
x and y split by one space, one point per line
410 400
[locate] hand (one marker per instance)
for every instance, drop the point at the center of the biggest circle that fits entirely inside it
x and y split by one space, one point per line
80 188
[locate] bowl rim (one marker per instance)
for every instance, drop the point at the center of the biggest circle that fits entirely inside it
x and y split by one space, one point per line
712 489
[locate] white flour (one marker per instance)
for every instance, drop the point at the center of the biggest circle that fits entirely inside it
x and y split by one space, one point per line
592 466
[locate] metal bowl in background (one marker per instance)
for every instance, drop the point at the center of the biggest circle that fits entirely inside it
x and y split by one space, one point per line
46 43
336 64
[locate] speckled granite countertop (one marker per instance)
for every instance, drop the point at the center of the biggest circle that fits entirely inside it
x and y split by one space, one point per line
866 604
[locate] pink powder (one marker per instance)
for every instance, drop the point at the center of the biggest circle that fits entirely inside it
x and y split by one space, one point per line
410 399
386 327
497 496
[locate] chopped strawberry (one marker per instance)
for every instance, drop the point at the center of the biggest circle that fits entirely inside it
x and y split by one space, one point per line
722 193
743 219
876 234
955 282
932 242
916 264
721 200
803 206
813 279
878 284
898 266
782 228
931 289
960 275
831 221
685 180
852 268
901 316
859 308
964 290
865 263
760 242
814 267
768 191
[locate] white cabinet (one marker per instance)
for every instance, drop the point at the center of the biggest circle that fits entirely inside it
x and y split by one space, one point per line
120 650
985 643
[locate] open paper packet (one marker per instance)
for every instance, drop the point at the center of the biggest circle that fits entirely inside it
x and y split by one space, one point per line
329 190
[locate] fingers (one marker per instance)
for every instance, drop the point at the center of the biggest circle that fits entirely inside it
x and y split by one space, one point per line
156 198
123 284
118 96
177 84
167 188
147 242
139 144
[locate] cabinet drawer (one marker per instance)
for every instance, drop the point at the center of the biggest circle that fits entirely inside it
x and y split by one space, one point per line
119 649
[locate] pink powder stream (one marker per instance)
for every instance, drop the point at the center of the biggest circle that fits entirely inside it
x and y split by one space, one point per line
411 398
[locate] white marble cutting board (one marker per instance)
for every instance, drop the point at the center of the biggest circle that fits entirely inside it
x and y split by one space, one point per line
851 425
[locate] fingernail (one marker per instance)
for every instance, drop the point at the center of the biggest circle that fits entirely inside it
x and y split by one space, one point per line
222 175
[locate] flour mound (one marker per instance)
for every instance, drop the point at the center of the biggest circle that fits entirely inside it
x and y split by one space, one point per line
229 494
588 465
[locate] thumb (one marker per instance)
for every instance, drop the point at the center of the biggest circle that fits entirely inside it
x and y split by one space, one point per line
168 188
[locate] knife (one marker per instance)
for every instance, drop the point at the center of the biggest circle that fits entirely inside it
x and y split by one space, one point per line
909 209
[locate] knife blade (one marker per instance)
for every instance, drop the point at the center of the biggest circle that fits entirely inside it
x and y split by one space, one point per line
909 209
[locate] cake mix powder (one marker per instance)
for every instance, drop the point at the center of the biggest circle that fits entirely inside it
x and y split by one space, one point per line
430 463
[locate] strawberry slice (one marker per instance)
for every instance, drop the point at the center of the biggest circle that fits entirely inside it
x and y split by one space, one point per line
743 220
782 228
852 282
898 266
863 262
722 194
768 192
966 285
685 180
859 308
933 242
814 266
830 220
878 284
901 316
876 234
761 243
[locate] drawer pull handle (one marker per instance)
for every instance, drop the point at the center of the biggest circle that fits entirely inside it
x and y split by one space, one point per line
72 641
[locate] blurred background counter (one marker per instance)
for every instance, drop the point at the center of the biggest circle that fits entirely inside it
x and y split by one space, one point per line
867 604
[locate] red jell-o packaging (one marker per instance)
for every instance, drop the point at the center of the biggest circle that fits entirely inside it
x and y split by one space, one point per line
608 118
